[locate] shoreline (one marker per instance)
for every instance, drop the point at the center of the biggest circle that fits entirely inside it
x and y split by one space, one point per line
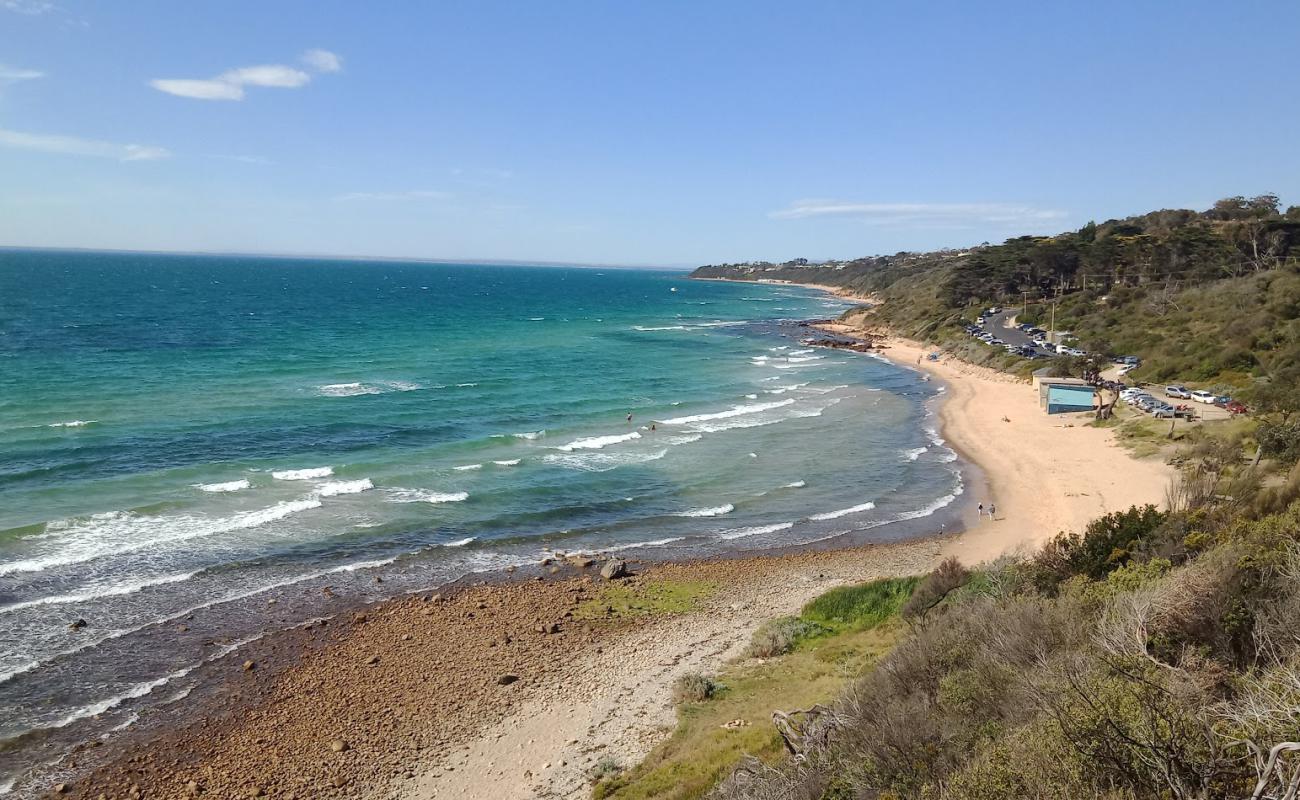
470 693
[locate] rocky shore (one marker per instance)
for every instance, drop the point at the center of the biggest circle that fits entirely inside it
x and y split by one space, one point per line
507 689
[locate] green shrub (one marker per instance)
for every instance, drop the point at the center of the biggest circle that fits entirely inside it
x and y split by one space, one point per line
862 606
1106 544
694 687
779 636
949 575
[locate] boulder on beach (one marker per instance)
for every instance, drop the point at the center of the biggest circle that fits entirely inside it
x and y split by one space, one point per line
614 568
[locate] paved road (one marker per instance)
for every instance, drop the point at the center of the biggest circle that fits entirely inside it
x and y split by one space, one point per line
997 325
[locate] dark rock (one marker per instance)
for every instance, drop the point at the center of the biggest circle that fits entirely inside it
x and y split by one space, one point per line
78 625
506 680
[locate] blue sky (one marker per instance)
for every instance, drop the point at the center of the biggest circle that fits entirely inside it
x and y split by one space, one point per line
629 132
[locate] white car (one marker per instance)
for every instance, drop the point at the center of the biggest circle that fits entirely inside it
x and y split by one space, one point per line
1202 396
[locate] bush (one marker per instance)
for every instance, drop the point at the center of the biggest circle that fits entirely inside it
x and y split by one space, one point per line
779 636
863 606
694 687
949 575
1106 544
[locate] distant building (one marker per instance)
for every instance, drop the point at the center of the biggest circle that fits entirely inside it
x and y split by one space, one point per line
1064 395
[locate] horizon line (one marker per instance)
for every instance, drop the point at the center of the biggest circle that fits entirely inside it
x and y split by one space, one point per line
505 262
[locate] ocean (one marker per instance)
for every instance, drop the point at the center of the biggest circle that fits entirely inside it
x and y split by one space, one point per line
193 448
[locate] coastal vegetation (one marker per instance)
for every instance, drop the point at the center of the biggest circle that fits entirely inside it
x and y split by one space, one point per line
1208 297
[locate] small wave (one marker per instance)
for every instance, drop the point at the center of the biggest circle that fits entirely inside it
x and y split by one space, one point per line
426 496
685 439
795 485
661 328
843 512
468 467
804 359
934 437
912 455
76 423
740 533
228 486
601 462
529 434
123 532
751 397
402 386
715 511
638 545
334 488
734 411
302 474
598 442
536 319
509 462
346 389
466 385
98 592
459 542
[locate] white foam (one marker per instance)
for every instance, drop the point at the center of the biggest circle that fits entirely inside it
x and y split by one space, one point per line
122 532
638 545
509 462
529 434
663 328
843 512
468 467
598 442
466 385
302 474
76 423
751 397
402 386
334 488
459 542
346 390
228 486
734 411
715 511
426 496
97 592
602 462
740 533
795 485
912 455
684 439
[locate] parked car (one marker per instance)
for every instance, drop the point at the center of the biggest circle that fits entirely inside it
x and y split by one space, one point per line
1161 410
1222 401
1202 396
1181 392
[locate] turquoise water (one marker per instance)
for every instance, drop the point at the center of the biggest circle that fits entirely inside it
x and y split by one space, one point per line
186 438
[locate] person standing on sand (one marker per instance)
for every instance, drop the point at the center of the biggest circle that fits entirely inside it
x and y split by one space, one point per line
993 511
981 511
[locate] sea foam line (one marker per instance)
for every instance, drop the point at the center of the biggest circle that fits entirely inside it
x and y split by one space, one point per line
302 474
715 511
740 533
228 486
598 442
843 512
98 592
734 411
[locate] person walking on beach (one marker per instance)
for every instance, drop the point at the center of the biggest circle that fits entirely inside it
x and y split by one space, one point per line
981 511
993 511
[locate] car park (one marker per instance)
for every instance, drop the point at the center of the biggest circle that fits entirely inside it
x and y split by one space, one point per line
1202 396
1181 392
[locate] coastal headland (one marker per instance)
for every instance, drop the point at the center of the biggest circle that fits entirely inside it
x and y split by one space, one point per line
517 688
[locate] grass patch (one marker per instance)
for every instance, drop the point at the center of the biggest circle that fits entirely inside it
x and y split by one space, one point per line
701 751
641 598
862 606
838 636
779 636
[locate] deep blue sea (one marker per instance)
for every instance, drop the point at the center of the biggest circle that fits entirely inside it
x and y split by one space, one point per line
186 438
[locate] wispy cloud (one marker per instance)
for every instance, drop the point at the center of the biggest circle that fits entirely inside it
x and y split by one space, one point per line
322 60
230 84
76 146
954 215
413 194
14 74
29 7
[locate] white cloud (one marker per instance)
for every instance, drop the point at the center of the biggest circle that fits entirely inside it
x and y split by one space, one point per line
230 84
322 60
927 214
30 7
13 74
75 146
414 194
